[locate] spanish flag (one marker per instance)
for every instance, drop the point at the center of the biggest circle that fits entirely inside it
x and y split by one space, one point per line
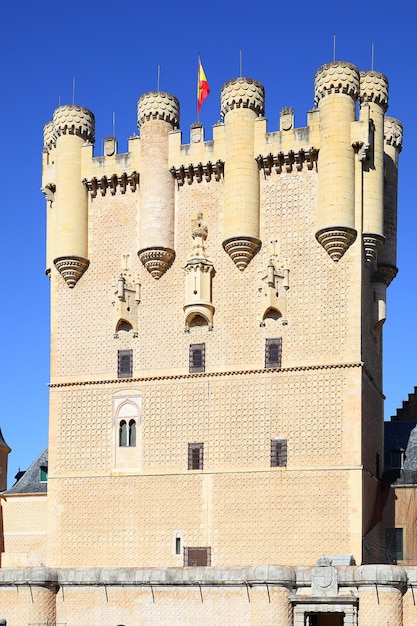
203 88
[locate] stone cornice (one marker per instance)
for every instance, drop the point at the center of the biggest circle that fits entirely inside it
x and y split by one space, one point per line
112 183
287 161
197 172
264 371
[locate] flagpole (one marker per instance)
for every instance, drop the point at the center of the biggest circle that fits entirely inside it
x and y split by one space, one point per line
159 76
372 57
198 85
240 63
334 48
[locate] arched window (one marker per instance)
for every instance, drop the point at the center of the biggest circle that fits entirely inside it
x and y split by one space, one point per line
127 434
123 434
132 433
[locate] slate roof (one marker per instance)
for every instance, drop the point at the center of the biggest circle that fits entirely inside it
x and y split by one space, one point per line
401 435
30 482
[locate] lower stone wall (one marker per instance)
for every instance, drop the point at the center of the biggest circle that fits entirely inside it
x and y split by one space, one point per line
209 596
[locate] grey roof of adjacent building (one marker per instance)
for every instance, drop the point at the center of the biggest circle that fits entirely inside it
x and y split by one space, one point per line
30 481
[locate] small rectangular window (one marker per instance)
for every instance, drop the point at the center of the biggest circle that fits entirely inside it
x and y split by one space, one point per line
125 363
273 352
197 357
43 474
394 544
195 456
397 459
279 453
197 557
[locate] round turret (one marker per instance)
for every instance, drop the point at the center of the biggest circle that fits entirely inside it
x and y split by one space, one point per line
336 88
242 102
393 133
374 88
158 115
72 127
242 93
334 78
373 99
49 136
158 105
74 120
387 257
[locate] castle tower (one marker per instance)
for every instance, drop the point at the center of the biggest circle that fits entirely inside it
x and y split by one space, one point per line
336 91
204 416
242 101
373 104
158 115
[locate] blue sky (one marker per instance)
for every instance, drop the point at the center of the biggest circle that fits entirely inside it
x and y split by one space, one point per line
113 51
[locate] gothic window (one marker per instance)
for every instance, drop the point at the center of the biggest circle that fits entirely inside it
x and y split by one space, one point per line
197 357
197 557
273 352
195 456
124 363
279 453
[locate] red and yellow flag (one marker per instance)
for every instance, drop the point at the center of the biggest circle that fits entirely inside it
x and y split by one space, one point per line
203 88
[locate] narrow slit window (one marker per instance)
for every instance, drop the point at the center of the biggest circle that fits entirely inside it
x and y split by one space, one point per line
177 545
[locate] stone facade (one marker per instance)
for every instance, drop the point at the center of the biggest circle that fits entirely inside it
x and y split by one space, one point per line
216 364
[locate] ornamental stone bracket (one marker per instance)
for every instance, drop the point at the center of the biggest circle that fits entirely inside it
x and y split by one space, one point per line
156 260
336 240
287 161
71 268
113 183
198 172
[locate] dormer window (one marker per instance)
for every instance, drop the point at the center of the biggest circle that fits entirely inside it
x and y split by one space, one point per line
397 458
43 474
